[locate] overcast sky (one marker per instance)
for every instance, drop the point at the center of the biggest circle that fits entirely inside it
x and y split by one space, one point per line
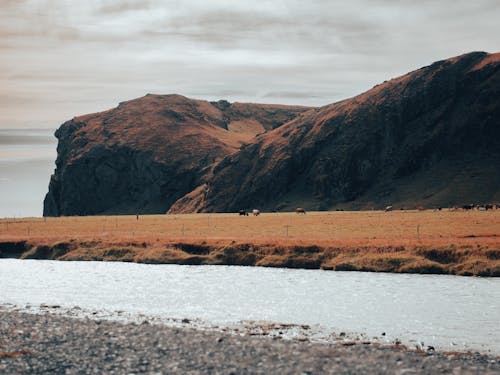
61 58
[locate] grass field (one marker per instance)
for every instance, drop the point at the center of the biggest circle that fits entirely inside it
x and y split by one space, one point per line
456 242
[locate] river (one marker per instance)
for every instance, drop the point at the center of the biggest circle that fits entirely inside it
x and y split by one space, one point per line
447 312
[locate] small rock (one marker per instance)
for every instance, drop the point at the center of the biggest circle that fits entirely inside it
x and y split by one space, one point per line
348 343
406 371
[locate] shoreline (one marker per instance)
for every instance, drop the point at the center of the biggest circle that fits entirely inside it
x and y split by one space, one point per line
48 341
299 332
465 243
463 260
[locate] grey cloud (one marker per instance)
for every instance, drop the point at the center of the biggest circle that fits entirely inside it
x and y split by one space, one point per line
257 30
62 58
113 7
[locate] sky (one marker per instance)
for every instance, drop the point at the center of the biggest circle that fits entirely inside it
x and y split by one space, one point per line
61 58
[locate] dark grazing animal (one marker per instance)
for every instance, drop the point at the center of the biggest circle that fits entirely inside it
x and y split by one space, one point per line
243 213
468 206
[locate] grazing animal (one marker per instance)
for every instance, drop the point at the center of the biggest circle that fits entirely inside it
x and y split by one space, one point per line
468 206
388 208
489 206
300 210
243 213
255 212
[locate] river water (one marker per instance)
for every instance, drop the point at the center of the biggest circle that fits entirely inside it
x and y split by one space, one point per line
448 312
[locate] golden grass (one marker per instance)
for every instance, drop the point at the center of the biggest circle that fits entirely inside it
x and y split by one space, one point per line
454 242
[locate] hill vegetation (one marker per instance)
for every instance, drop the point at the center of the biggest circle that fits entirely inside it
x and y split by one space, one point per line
429 138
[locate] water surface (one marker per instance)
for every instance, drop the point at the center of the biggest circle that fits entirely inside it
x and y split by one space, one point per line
449 312
27 159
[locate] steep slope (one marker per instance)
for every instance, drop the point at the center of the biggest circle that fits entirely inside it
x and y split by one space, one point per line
148 152
431 137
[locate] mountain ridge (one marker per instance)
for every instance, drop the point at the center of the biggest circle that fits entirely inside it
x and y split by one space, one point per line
144 154
406 141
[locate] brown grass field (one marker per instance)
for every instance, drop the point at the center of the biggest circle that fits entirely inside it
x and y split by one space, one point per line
446 242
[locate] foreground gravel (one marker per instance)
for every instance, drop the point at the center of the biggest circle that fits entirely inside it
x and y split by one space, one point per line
51 344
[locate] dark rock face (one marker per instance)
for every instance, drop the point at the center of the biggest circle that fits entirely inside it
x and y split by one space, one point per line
120 180
431 138
145 154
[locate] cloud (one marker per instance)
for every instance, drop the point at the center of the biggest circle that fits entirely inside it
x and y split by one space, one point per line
61 58
117 7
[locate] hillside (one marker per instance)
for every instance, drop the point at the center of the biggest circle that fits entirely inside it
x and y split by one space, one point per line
145 154
430 138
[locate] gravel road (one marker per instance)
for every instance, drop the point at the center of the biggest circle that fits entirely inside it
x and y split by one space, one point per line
52 344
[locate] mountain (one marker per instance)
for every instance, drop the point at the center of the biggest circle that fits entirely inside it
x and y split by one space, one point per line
430 138
145 154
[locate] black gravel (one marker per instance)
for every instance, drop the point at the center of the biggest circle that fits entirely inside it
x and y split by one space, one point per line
52 344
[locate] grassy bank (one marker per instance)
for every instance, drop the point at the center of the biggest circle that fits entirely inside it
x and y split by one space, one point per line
463 260
441 242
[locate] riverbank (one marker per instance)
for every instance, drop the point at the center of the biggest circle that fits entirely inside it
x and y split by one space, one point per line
431 242
465 260
49 343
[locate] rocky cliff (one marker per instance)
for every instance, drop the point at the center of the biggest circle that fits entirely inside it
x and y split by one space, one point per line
145 154
431 138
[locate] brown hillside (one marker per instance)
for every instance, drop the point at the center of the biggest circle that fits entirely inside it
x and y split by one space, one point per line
431 138
145 154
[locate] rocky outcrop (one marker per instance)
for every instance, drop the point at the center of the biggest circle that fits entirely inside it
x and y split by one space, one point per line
145 154
431 138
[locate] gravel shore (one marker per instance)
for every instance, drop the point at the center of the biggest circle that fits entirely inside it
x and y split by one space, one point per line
47 343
